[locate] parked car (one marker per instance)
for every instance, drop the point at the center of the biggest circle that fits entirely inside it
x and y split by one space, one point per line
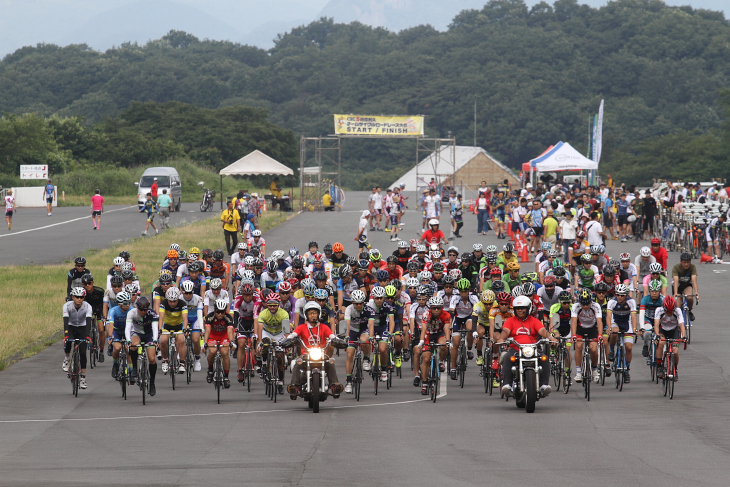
167 178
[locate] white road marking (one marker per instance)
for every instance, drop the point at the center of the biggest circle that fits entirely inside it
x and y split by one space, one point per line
63 223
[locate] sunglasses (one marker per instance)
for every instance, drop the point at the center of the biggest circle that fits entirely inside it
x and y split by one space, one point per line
549 287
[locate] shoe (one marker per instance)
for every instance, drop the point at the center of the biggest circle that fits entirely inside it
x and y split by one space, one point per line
453 374
416 381
293 390
65 364
406 355
115 370
507 390
607 371
226 383
398 362
480 360
545 390
578 377
153 389
94 228
209 377
383 376
101 357
144 233
442 367
614 238
495 383
691 316
336 388
610 356
197 367
181 369
159 354
424 390
660 371
596 376
156 231
82 382
109 350
133 376
645 351
627 377
470 355
366 365
348 388
459 236
387 230
393 238
165 367
240 375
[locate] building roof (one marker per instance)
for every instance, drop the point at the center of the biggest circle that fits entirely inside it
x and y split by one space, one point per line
442 164
254 164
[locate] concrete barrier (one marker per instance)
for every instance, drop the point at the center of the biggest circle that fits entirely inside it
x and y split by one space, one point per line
32 197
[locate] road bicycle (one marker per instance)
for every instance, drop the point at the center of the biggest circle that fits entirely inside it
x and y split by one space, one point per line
685 313
461 357
143 373
218 371
669 365
94 347
74 366
618 367
249 362
434 372
172 358
486 371
274 357
357 371
189 355
586 364
123 374
560 364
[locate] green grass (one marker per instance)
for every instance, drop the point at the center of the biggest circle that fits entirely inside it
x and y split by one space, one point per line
33 295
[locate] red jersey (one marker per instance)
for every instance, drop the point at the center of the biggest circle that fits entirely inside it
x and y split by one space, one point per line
536 304
435 324
661 256
523 332
396 273
382 266
433 237
316 336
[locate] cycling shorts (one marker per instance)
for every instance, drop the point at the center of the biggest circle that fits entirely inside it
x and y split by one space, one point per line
49 200
244 328
671 334
355 335
710 234
624 327
682 286
587 333
146 338
150 217
564 331
458 323
221 336
167 329
193 322
432 338
96 213
118 335
380 330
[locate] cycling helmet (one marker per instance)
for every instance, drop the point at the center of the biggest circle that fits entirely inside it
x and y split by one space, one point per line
328 249
548 280
378 292
321 294
293 252
528 289
655 285
248 274
166 278
503 298
143 304
513 266
437 268
283 286
196 266
125 255
614 263
557 263
448 280
601 287
529 277
402 244
390 291
517 291
453 250
265 294
609 270
656 267
87 279
119 260
477 247
625 256
258 262
375 255
78 292
397 284
194 250
424 290
487 296
585 297
241 246
172 254
466 257
420 249
116 281
216 283
312 305
382 275
491 249
222 305
496 271
491 258
345 270
127 266
565 297
391 259
362 264
308 289
413 266
425 276
655 241
594 250
685 256
621 290
172 294
601 249
297 264
320 276
508 247
271 266
123 298
669 304
435 254
318 257
522 302
463 284
435 302
433 221
126 275
552 253
245 288
586 259
256 233
498 286
357 297
338 247
182 255
455 273
645 252
218 255
351 261
559 272
412 282
249 260
80 261
546 246
580 235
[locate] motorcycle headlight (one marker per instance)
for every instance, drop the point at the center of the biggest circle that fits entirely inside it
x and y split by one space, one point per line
528 352
315 354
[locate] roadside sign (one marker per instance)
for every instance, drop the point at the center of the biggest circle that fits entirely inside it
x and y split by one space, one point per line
36 171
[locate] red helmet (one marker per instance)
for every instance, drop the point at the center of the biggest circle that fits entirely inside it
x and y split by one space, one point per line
580 235
284 287
669 304
504 298
273 298
655 241
246 289
294 282
337 247
318 257
549 279
496 271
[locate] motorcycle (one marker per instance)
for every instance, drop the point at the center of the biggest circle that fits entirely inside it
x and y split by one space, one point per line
208 198
526 367
314 390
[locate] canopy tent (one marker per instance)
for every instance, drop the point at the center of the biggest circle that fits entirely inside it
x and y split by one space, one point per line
254 164
562 157
526 165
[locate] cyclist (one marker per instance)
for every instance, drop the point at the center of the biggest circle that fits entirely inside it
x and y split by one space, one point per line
194 304
468 270
461 308
401 311
513 279
359 318
668 320
116 287
403 254
270 327
117 323
256 241
339 257
116 270
95 298
219 269
628 273
497 316
587 314
246 309
660 254
173 316
481 312
142 329
647 310
523 328
656 274
541 256
77 321
642 263
159 291
547 264
560 317
150 208
194 275
383 324
213 294
272 276
75 274
418 309
322 297
549 294
621 314
237 258
609 279
435 328
507 256
308 257
171 263
288 301
219 328
586 274
684 276
562 278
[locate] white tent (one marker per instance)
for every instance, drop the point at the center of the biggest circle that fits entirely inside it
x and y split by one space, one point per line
255 164
562 157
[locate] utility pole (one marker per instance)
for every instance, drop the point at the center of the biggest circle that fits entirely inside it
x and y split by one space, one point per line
475 123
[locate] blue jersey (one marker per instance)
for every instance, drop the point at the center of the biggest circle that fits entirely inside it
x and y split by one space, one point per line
650 306
196 283
49 191
119 318
149 207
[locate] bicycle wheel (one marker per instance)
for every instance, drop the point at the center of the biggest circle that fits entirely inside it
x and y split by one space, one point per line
565 372
461 367
273 376
602 364
172 360
376 371
673 368
76 372
357 368
93 345
218 376
587 376
249 368
555 370
143 380
620 374
665 380
688 327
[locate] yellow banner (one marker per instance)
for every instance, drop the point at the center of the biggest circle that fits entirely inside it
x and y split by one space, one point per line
378 125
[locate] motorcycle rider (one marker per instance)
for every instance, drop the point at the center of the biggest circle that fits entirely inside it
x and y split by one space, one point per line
524 329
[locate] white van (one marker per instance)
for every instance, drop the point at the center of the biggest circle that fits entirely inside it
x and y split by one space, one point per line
167 178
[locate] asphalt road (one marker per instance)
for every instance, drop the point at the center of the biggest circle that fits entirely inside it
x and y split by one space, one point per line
183 437
37 238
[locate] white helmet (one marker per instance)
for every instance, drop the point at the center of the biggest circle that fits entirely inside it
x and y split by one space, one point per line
173 294
477 247
256 233
220 304
412 282
522 302
357 296
127 266
216 283
378 292
402 244
420 248
241 246
656 267
80 292
313 305
118 261
187 286
433 221
435 301
645 251
621 290
249 260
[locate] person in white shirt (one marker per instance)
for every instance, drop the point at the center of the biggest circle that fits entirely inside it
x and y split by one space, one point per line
362 229
567 228
9 208
432 204
594 230
378 208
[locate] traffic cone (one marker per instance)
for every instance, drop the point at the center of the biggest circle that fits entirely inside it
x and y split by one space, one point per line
509 229
524 255
705 258
471 205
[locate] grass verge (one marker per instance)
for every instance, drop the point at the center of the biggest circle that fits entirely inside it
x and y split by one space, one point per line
32 318
188 197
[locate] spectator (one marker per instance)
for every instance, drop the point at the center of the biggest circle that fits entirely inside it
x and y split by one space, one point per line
231 226
568 228
328 202
594 230
48 194
164 202
153 190
9 208
482 214
550 228
97 208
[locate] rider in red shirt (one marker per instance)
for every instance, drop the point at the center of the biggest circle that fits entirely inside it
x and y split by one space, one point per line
659 253
523 329
434 235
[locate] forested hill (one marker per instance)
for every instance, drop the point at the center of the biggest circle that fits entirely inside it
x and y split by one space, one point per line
536 75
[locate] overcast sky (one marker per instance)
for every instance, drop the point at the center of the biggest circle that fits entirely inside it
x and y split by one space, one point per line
106 23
